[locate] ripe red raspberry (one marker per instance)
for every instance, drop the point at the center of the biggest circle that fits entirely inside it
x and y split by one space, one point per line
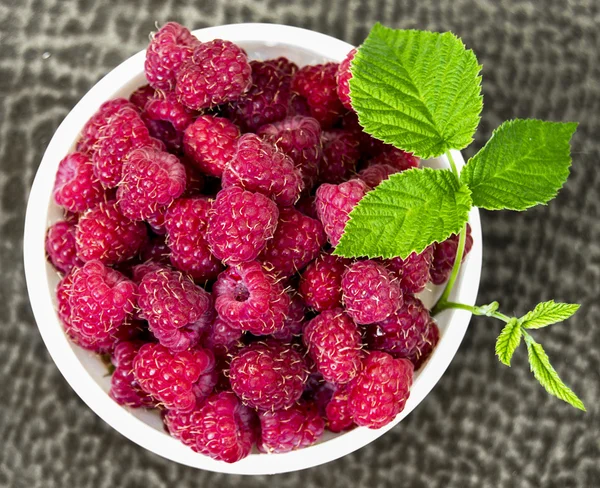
298 106
173 379
170 48
63 292
124 389
375 174
286 430
306 205
343 78
444 255
222 336
294 321
218 72
317 84
413 272
340 155
104 233
298 240
369 146
156 250
337 411
166 108
321 282
152 180
91 129
176 309
141 96
222 427
239 224
335 202
284 65
397 158
138 271
370 292
185 222
268 375
100 301
211 142
400 333
425 346
60 246
380 391
247 295
258 166
333 342
76 188
300 138
123 132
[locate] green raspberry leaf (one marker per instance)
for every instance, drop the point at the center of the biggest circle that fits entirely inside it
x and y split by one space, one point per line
508 341
547 376
548 313
405 214
524 164
417 90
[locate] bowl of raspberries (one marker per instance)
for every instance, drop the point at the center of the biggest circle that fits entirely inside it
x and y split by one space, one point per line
179 256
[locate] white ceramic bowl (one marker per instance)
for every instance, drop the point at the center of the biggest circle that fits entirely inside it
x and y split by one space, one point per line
85 372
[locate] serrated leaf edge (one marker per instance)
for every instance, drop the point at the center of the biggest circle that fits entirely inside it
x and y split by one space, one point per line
507 343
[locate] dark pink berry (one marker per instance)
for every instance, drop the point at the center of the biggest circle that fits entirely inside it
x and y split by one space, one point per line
334 343
321 282
307 206
221 428
91 130
141 96
76 188
104 233
163 131
337 411
444 255
397 158
124 389
284 65
166 108
156 250
340 155
60 246
239 225
375 174
413 272
286 430
343 78
211 142
294 320
268 375
380 391
222 336
425 346
218 72
335 202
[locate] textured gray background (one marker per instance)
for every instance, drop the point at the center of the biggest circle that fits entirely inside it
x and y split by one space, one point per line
484 425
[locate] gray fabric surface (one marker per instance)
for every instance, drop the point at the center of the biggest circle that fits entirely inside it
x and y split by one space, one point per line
484 425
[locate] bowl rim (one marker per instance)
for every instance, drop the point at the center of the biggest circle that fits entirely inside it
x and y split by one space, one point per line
121 419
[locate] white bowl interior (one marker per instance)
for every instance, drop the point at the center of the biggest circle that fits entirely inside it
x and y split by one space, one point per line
85 371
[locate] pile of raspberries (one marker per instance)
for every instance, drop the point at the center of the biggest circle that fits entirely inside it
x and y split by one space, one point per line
196 252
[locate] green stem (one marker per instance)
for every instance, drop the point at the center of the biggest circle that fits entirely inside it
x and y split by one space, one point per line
473 309
452 163
455 268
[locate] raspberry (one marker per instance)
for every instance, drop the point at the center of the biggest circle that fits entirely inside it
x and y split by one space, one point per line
165 133
380 391
375 174
444 255
151 180
340 155
248 296
306 205
286 430
400 333
211 142
413 271
63 292
284 65
370 292
166 108
222 427
425 346
218 72
321 282
267 100
185 222
60 246
100 301
124 389
298 106
369 146
123 132
222 336
194 180
317 84
335 202
319 391
297 241
343 77
300 138
76 188
239 224
176 309
91 129
140 270
333 342
104 233
337 411
141 96
268 375
258 166
397 158
173 379
156 250
170 48
294 321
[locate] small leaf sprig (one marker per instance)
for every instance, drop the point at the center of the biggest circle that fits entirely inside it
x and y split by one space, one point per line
420 91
